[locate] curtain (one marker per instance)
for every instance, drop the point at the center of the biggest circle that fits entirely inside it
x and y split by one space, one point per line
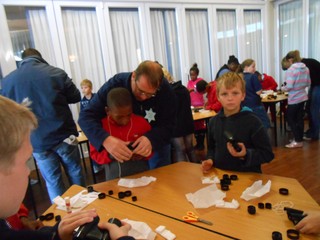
20 40
227 35
253 37
126 38
40 33
314 27
84 47
290 20
198 41
165 40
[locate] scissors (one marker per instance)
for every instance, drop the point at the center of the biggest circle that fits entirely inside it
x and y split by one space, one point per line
191 217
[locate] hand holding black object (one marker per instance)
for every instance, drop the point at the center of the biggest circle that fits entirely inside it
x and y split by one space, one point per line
233 142
90 231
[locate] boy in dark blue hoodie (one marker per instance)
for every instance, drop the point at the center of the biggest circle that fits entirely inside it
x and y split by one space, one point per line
237 140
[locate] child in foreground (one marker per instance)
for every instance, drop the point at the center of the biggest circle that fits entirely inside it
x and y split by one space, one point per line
16 125
127 127
242 125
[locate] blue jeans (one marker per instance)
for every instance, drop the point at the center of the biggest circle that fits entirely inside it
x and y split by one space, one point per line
49 164
161 157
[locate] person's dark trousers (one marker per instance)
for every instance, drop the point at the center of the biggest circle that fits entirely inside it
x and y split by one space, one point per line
295 114
315 113
199 136
307 108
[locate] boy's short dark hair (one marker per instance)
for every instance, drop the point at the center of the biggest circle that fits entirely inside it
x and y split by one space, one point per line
201 86
229 80
119 97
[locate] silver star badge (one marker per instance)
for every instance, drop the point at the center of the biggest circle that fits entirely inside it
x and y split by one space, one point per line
150 114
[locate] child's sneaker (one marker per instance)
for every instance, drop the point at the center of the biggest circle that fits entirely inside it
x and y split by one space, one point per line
294 144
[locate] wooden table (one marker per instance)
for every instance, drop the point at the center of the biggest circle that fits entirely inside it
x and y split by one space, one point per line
113 207
203 115
281 98
166 197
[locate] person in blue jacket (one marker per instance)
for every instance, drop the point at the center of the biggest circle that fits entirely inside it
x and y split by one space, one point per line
50 91
152 98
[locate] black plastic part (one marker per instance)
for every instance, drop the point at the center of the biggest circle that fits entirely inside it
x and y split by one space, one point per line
251 209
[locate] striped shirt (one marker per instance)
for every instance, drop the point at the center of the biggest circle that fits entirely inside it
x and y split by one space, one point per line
297 78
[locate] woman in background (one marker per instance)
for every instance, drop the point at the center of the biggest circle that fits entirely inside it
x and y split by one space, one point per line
253 91
297 79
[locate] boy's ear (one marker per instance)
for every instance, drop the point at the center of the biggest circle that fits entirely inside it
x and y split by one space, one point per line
243 96
106 109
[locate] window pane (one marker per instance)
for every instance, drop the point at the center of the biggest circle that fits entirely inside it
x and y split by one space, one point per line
29 27
314 27
253 37
83 44
126 37
165 40
198 41
227 35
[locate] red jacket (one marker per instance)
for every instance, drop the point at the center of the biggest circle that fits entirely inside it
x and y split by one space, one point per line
268 83
15 221
213 102
137 127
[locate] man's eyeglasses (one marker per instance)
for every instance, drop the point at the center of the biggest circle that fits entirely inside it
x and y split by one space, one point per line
143 93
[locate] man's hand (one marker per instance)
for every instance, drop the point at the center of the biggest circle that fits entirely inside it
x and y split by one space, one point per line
234 153
142 146
206 165
73 220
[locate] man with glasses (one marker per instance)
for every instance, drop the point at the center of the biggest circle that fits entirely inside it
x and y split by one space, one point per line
152 98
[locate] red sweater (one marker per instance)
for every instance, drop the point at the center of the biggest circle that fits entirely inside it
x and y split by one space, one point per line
137 127
15 221
213 102
268 83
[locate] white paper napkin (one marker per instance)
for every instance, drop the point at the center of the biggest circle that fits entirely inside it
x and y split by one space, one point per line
77 202
256 190
138 182
210 196
140 230
210 180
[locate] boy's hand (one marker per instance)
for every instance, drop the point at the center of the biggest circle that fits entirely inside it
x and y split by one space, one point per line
234 153
73 220
31 224
206 165
115 231
310 223
117 148
142 146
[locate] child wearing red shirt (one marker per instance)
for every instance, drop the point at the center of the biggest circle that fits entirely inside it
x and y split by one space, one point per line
122 124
